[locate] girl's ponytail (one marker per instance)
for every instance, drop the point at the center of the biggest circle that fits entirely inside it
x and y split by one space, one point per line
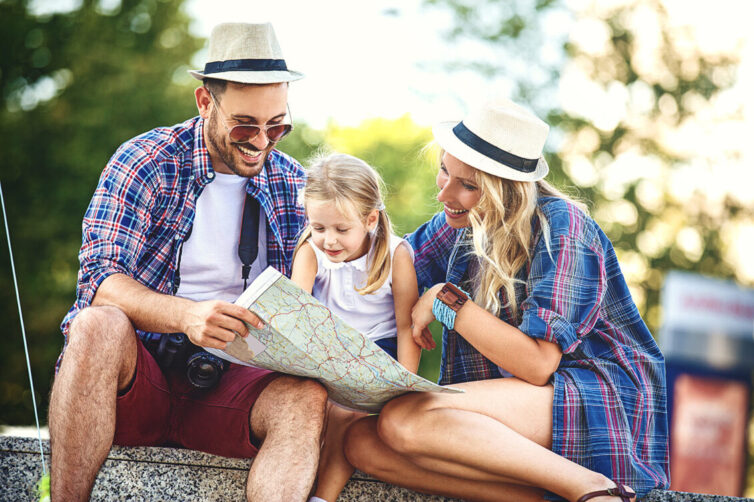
379 260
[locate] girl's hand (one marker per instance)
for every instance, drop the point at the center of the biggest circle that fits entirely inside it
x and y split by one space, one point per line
421 316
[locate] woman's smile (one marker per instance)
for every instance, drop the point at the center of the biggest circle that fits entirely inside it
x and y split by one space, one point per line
455 213
458 190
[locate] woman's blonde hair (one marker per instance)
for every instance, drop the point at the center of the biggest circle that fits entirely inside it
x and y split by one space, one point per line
356 189
501 224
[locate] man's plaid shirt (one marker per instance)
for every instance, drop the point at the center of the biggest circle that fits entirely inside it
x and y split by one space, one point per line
143 210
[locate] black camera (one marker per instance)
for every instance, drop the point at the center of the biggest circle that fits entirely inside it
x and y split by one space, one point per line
175 351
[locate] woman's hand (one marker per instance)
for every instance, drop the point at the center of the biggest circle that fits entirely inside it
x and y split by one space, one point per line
421 316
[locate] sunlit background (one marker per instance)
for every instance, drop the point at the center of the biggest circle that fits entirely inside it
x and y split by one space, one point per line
650 104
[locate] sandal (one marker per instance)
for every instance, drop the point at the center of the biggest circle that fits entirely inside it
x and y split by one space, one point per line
618 491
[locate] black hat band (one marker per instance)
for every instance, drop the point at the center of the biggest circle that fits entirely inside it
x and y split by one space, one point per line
245 65
491 151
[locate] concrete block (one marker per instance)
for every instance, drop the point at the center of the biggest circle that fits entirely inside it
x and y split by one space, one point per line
171 474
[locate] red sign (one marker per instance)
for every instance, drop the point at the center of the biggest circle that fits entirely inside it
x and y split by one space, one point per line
708 433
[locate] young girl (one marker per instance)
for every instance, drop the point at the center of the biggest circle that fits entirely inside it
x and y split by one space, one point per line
349 259
565 386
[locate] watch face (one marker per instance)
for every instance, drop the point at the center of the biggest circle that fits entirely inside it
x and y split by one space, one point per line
452 296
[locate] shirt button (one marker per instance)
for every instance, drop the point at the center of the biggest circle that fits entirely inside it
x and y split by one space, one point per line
177 237
170 285
211 175
191 177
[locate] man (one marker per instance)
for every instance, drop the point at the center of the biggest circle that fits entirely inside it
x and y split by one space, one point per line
160 254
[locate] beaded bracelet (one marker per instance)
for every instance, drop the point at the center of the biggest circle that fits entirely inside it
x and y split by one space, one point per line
445 314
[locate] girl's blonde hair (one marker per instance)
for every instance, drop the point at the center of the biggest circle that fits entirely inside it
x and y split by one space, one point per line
356 189
501 233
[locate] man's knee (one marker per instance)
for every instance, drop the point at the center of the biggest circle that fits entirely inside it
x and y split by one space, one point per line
300 393
103 334
92 322
289 402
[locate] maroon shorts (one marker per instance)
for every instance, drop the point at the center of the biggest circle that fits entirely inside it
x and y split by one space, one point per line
164 409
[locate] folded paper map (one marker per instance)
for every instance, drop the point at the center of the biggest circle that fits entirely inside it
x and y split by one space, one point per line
302 337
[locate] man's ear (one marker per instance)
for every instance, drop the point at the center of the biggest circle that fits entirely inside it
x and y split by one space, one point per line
203 100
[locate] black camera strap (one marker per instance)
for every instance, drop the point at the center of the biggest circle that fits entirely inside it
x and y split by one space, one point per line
248 243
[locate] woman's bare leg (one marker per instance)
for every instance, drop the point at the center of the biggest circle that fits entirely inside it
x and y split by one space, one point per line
370 454
499 429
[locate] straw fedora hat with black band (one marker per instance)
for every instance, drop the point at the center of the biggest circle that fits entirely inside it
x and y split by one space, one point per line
500 138
247 54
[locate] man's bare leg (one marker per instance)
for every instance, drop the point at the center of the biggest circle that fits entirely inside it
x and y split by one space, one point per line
100 359
288 418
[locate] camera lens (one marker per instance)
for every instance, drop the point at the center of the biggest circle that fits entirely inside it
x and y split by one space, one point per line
204 370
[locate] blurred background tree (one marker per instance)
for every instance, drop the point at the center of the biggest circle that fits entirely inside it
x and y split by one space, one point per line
639 108
74 86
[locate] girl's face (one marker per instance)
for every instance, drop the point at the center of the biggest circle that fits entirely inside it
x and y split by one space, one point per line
458 190
342 237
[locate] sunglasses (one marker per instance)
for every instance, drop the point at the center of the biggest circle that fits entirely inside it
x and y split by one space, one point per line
246 133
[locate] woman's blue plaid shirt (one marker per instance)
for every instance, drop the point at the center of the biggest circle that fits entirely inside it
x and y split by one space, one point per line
609 408
143 210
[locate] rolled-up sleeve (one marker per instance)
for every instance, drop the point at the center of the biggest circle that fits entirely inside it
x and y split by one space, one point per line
116 222
566 286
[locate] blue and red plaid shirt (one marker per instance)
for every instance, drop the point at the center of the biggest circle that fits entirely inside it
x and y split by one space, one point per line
609 408
144 204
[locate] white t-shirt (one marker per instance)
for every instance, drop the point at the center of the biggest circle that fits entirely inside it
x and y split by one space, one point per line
335 285
210 267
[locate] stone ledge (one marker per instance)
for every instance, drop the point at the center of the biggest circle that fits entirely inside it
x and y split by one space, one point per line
156 474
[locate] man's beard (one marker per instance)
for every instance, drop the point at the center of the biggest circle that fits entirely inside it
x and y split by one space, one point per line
226 152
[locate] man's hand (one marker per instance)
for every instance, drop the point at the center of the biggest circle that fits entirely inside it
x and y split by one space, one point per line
214 323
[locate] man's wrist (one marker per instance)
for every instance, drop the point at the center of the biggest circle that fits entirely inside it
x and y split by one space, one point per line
182 308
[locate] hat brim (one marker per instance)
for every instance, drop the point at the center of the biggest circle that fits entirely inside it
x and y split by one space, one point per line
447 139
251 77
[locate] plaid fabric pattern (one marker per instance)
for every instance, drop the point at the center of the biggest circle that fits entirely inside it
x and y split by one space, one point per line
144 204
609 409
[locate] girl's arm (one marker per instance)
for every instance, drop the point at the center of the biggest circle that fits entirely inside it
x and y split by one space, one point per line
304 267
530 359
405 295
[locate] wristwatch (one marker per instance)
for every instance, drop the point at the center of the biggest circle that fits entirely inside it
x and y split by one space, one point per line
451 296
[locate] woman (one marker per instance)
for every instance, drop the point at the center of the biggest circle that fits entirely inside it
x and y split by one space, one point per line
564 385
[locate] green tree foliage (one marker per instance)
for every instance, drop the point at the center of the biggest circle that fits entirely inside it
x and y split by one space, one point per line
74 86
303 142
640 80
396 148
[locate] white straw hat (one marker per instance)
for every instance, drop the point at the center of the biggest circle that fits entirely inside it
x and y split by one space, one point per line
245 53
500 138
